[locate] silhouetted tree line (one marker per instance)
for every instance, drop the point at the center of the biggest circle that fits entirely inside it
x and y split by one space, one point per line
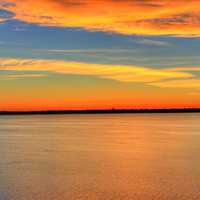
108 111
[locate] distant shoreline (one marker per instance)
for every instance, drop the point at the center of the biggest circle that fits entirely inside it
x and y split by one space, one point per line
108 111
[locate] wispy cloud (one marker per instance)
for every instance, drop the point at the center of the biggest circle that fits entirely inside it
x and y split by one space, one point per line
149 42
20 29
5 15
151 17
123 73
89 51
191 69
185 83
21 76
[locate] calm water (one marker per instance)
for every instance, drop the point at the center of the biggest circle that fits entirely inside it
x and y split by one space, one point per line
100 157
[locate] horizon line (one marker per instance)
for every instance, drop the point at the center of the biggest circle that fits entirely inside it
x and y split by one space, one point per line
103 111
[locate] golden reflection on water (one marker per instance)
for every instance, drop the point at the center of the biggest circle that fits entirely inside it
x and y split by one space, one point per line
103 157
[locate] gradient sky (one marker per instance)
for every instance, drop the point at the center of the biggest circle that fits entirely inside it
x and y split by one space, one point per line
89 54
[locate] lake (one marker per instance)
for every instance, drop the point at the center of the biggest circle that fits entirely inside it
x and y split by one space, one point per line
100 157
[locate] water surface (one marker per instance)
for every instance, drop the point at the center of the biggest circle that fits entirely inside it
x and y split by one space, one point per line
100 157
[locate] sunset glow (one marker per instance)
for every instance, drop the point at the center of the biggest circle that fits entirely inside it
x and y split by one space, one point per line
99 54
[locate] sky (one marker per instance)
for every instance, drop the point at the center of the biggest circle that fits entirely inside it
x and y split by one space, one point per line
99 54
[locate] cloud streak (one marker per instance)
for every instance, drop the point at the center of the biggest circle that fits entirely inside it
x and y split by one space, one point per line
187 83
150 17
21 76
154 43
122 73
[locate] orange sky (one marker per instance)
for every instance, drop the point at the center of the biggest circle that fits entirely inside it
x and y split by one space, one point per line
149 17
85 54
